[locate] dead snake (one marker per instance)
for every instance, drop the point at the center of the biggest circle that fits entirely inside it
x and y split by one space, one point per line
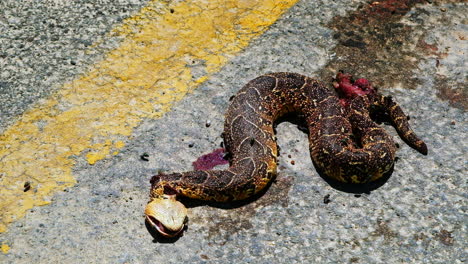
345 143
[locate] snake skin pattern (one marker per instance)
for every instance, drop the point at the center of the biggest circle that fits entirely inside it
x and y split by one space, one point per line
345 143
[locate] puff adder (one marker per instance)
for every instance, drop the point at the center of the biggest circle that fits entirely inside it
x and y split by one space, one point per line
346 144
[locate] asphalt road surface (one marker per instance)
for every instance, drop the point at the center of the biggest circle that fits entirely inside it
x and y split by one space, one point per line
98 96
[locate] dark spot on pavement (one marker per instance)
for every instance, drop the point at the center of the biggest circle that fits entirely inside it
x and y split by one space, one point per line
384 230
277 193
420 237
27 186
375 43
452 91
445 237
225 222
144 156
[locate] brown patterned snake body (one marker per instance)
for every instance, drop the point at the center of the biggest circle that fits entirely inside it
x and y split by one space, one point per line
345 143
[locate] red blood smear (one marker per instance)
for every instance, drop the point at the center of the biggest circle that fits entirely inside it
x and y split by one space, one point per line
210 160
349 88
362 83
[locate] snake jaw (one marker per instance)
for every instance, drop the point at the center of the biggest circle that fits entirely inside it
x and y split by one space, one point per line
166 215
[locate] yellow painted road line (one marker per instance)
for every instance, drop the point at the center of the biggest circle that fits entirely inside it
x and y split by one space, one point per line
5 248
96 113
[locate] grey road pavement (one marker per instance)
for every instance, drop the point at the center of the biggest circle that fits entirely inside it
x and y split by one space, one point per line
415 52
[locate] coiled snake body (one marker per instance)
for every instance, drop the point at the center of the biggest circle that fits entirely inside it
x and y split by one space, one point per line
345 143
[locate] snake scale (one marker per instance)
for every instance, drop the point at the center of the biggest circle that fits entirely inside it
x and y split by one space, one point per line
345 143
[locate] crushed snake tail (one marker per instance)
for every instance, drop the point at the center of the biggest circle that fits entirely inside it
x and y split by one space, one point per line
346 144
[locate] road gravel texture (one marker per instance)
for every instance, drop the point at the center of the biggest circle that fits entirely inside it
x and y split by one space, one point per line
417 216
45 43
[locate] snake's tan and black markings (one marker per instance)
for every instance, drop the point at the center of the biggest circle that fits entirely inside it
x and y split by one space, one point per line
345 143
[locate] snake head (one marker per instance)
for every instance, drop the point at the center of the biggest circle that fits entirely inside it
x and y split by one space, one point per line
166 215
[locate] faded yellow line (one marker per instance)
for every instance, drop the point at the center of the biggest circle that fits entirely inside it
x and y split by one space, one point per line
96 113
5 248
